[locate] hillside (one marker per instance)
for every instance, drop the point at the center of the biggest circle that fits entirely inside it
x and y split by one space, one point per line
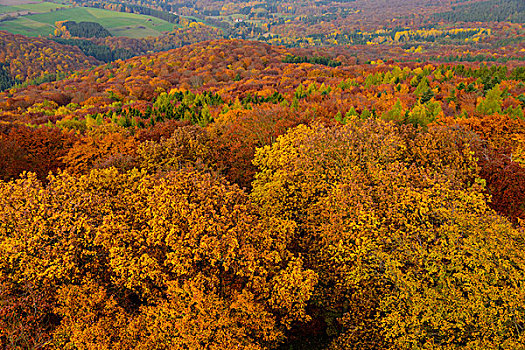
247 75
213 63
118 23
39 59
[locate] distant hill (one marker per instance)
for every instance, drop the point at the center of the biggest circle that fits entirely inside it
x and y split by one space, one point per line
140 76
28 59
486 11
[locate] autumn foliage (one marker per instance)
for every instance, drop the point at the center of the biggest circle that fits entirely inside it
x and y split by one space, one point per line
218 197
135 258
393 241
33 58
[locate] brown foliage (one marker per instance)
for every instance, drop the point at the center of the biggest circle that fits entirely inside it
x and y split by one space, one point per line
40 150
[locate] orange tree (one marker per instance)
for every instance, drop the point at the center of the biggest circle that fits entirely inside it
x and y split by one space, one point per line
24 148
100 147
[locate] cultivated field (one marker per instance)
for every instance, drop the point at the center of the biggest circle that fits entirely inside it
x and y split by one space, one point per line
17 2
22 7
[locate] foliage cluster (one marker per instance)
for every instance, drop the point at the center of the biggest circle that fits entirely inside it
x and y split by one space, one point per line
29 58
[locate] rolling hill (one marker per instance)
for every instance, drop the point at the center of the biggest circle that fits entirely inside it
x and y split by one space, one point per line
118 23
39 59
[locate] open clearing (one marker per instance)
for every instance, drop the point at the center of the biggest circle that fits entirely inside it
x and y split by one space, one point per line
17 2
22 7
118 23
8 9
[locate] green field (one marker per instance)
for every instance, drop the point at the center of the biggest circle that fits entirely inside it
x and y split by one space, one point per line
40 7
8 9
35 8
118 23
26 27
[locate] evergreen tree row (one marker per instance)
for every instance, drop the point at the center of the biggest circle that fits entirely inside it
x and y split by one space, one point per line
100 52
86 29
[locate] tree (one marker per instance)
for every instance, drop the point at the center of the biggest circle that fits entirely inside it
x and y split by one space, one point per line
404 247
115 255
424 113
492 102
101 147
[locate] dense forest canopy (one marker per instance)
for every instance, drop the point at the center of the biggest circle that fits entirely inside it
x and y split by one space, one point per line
487 11
315 175
86 29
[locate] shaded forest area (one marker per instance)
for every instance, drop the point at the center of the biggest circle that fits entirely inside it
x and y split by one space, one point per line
86 29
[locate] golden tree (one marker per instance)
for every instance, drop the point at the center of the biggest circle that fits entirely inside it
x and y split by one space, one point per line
408 254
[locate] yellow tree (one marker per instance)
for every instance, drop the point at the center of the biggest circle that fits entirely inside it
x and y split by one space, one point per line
130 260
408 254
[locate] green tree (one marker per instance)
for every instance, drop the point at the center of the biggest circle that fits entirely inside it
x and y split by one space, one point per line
491 104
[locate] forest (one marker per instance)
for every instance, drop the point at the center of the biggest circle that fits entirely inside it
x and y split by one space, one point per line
493 10
85 29
196 190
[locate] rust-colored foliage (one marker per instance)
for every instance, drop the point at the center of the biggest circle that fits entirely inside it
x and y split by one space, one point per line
40 150
238 133
160 130
505 182
102 147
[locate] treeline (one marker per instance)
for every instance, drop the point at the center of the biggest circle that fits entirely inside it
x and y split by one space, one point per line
393 36
486 11
108 49
44 78
474 58
486 72
325 61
